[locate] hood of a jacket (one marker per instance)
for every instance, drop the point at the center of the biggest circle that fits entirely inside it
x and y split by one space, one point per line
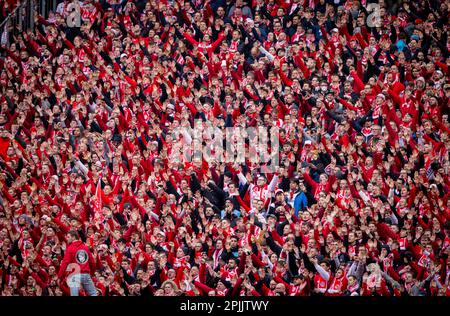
76 244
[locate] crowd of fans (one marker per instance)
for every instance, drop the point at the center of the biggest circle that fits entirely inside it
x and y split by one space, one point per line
359 205
6 8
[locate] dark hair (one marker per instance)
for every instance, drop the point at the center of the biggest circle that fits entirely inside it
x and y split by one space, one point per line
74 234
447 225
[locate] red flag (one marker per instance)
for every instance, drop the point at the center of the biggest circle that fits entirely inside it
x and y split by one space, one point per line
98 204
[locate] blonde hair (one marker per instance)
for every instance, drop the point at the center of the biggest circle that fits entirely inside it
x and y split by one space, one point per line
174 285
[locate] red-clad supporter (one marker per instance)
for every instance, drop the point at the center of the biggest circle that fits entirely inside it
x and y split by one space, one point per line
97 142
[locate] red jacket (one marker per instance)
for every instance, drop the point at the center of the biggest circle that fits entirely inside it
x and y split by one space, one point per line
79 254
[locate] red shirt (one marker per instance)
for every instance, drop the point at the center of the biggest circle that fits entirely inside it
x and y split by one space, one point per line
77 253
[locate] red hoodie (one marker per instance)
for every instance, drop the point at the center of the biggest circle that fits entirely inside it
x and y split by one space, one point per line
79 254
